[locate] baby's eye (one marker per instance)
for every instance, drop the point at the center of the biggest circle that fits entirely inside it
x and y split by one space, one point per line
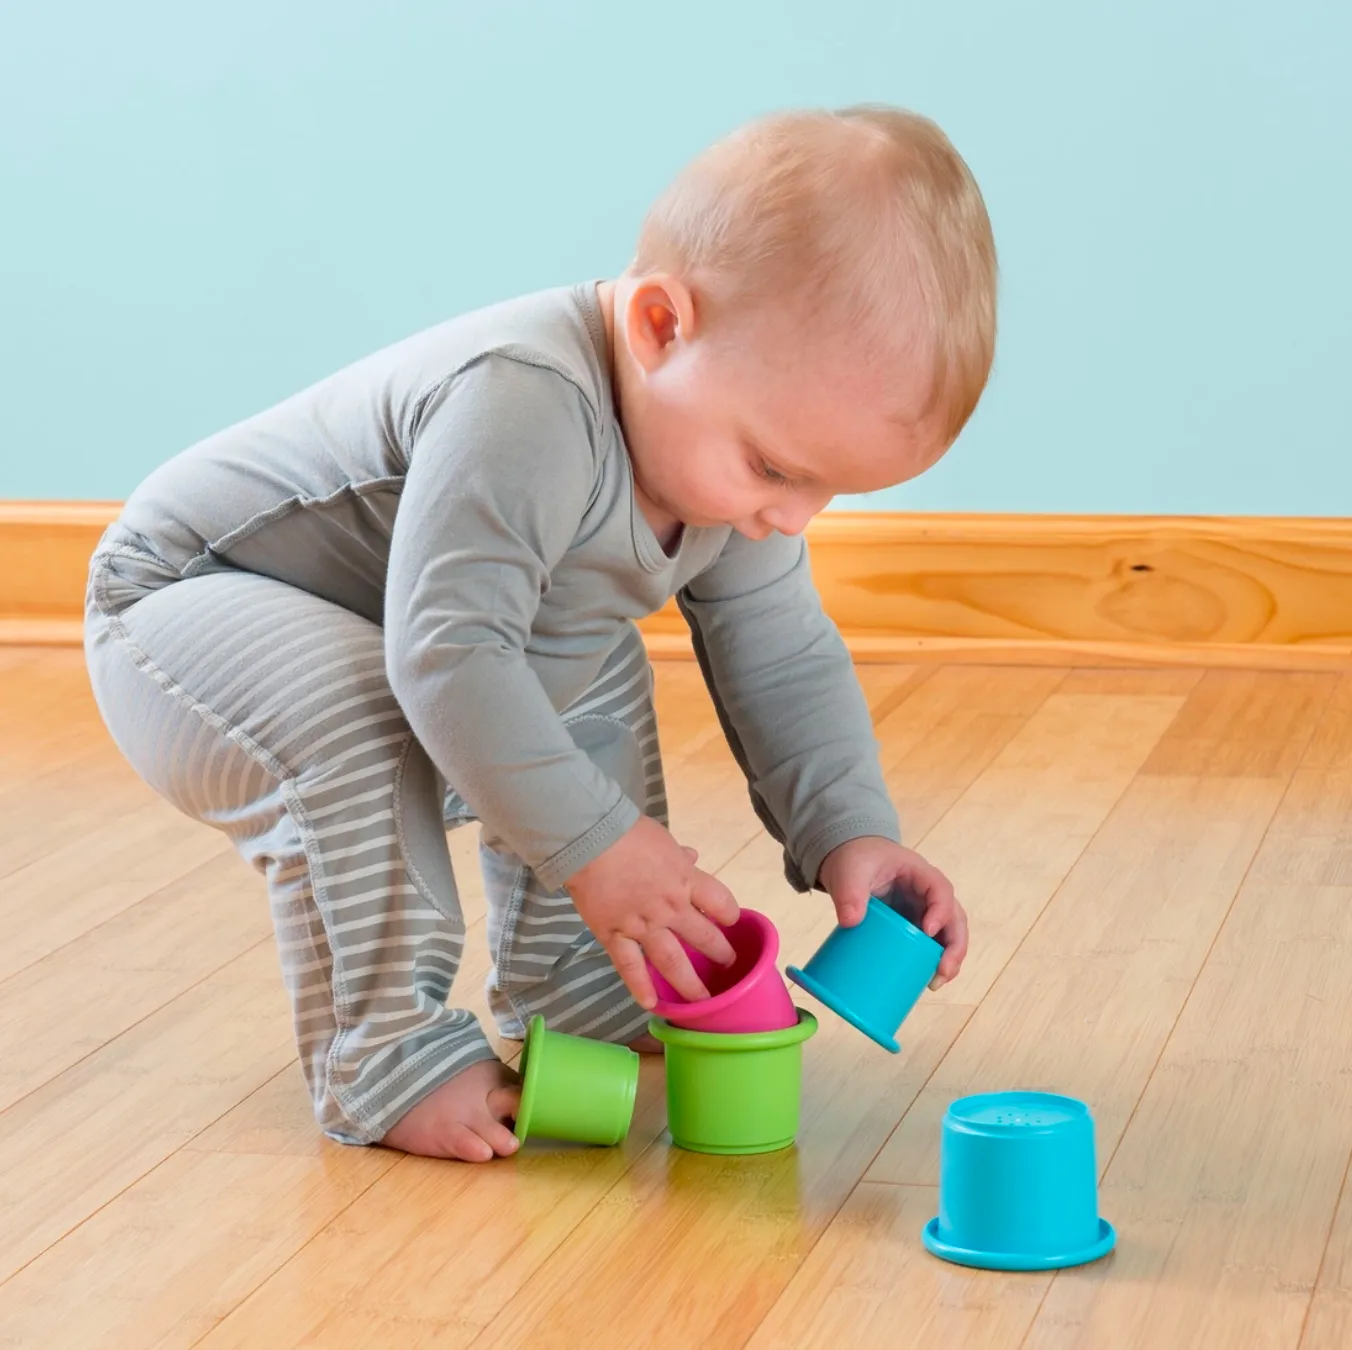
770 474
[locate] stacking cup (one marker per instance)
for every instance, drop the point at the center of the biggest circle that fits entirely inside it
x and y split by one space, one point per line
573 1088
749 995
1018 1184
872 974
734 1093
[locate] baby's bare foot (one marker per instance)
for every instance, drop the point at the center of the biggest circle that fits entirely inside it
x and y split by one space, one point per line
463 1118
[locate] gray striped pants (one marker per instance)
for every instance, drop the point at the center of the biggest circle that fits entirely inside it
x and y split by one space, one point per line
265 712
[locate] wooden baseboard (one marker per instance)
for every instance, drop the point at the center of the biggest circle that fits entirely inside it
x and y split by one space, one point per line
1077 590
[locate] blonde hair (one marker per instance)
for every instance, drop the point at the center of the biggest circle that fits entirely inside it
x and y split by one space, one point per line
856 214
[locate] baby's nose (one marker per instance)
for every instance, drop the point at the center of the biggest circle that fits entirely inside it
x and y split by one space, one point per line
787 520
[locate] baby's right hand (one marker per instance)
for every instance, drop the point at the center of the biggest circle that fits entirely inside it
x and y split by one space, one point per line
643 893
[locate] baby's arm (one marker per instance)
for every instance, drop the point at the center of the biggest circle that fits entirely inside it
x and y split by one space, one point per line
789 701
798 723
499 481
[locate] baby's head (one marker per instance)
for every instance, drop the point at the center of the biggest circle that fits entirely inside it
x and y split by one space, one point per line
811 311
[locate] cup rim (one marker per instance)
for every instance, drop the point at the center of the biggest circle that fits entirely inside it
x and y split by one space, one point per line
717 1003
841 1008
1029 1261
683 1037
530 1076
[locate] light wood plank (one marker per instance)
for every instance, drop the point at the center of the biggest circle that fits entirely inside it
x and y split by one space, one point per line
1017 831
949 731
1092 995
264 1152
1086 1003
1247 724
1226 1180
178 1250
70 1147
869 1282
425 1256
1328 1324
317 1244
1163 682
78 999
61 898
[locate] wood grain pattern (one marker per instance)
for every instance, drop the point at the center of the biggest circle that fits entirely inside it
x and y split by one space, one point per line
1159 869
1228 1175
1064 590
1082 590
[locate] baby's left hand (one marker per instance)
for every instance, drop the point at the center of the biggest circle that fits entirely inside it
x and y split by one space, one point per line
876 866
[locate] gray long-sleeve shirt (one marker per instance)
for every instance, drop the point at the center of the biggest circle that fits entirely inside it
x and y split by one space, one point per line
470 489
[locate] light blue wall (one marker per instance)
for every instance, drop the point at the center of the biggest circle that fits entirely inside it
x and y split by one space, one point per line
203 207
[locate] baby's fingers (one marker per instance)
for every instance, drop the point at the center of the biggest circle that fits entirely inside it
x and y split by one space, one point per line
627 957
669 959
710 896
953 934
704 936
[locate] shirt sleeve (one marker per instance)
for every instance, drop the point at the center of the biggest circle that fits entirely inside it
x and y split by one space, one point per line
501 473
789 702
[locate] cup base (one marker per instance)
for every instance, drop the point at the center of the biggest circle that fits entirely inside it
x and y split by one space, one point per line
886 1039
962 1256
734 1150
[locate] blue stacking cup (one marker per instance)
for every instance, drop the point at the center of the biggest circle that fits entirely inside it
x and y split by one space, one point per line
872 974
1018 1184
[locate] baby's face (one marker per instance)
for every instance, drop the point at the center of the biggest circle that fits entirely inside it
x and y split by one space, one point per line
761 433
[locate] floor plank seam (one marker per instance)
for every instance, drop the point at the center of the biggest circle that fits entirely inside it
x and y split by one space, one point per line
112 1040
1173 1028
898 698
1323 1256
1220 928
112 918
277 1270
860 1180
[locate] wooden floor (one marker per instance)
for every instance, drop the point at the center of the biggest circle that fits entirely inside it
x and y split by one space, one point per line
1158 866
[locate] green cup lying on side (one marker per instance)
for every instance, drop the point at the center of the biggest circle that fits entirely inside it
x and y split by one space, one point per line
734 1093
576 1089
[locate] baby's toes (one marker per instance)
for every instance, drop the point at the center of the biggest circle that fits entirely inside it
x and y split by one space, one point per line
504 1103
466 1143
496 1137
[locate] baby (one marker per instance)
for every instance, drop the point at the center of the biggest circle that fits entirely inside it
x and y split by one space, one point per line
406 598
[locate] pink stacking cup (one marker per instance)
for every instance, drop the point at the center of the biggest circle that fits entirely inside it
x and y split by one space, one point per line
749 995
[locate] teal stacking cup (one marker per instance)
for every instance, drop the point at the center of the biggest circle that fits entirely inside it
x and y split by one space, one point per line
872 975
1018 1184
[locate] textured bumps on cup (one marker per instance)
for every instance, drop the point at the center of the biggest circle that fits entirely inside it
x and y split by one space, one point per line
749 995
574 1088
734 1093
873 974
1018 1184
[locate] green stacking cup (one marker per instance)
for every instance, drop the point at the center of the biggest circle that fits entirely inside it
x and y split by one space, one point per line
576 1089
734 1093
